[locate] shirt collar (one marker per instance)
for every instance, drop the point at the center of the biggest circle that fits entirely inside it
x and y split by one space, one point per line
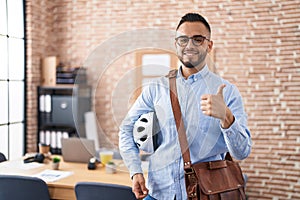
201 74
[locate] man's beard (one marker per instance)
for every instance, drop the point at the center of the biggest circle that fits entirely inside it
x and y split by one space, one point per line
190 64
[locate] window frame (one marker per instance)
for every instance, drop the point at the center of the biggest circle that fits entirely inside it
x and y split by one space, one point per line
10 124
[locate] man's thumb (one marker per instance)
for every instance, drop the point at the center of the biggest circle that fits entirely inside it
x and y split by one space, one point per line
220 89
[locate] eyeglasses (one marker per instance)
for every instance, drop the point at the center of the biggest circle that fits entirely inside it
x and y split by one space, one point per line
196 39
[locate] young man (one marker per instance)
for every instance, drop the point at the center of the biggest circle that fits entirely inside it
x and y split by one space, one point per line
212 112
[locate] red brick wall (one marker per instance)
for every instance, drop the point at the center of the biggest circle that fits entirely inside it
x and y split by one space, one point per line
257 46
40 43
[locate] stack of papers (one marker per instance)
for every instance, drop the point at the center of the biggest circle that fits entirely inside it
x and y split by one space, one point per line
52 175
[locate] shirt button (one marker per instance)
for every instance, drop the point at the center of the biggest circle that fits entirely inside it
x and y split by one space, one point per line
195 79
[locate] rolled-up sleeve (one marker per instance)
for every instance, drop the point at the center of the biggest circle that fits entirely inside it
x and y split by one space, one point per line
128 149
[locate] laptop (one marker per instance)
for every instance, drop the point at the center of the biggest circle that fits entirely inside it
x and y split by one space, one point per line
77 149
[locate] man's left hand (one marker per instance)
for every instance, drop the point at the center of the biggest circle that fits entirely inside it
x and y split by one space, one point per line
213 105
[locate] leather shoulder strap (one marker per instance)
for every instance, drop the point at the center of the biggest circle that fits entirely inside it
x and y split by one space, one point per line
172 73
178 120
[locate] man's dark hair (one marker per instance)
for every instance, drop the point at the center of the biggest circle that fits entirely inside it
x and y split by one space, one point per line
194 17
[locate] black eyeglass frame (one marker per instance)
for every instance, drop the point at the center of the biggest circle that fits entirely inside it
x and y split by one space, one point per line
192 38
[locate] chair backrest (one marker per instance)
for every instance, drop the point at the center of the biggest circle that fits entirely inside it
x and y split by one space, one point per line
2 157
102 191
14 187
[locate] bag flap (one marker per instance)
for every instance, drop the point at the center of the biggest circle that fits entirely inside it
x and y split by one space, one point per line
214 180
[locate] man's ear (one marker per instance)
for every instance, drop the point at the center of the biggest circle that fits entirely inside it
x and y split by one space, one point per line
210 46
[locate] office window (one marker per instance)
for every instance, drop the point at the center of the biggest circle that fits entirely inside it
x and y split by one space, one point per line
12 78
152 64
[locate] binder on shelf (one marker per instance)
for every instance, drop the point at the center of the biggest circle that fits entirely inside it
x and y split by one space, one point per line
53 146
48 137
48 103
59 136
58 140
42 103
65 135
42 137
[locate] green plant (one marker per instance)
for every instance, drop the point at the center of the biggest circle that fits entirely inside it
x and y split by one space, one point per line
56 159
110 163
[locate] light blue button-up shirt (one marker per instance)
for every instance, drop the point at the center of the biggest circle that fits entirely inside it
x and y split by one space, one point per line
208 141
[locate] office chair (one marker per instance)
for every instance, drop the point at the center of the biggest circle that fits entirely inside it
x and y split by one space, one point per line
2 157
102 191
14 187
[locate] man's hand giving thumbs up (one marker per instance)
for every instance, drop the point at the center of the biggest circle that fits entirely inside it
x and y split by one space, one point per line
213 105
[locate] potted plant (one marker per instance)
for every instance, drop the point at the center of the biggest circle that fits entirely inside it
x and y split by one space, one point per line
111 167
55 162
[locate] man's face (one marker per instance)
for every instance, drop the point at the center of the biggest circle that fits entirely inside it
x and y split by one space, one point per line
193 53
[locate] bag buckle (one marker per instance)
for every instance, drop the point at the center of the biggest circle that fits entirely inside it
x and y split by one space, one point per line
189 171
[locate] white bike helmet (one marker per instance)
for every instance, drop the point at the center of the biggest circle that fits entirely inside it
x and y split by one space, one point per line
145 132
